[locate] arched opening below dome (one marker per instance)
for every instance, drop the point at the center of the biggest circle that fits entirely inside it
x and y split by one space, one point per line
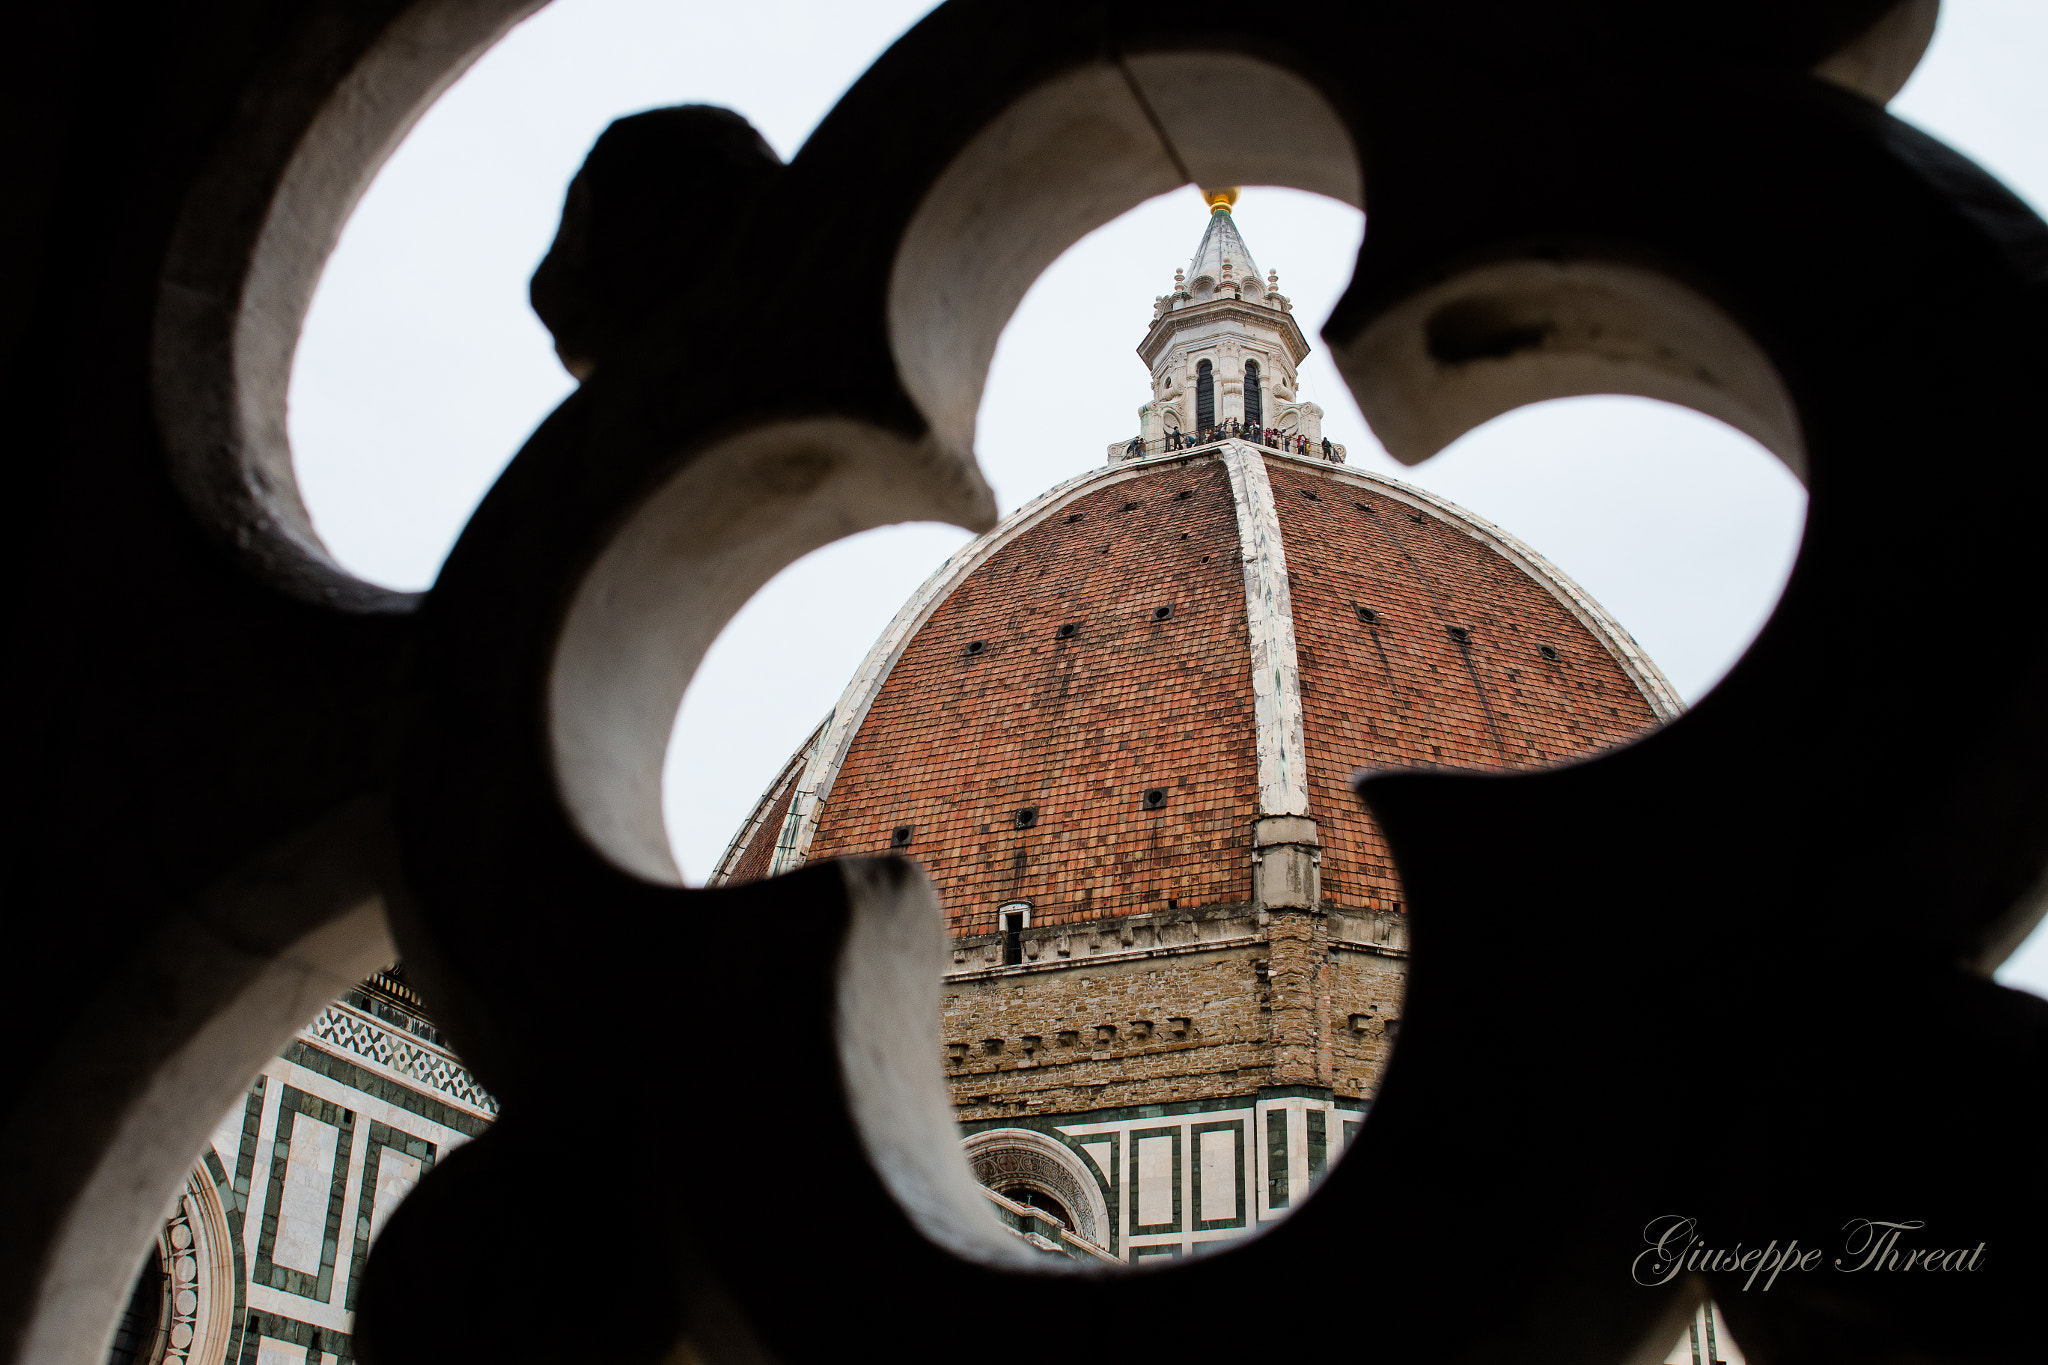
1039 1199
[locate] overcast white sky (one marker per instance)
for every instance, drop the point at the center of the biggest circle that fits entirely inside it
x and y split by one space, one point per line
421 370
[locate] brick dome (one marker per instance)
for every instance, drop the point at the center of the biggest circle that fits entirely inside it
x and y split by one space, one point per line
1069 713
1118 730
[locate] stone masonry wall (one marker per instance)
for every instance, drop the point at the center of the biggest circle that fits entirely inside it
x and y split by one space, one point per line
1298 994
1274 1008
1186 1028
1364 1018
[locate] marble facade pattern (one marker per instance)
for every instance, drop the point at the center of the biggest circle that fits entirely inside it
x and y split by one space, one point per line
357 1035
299 1179
1179 1180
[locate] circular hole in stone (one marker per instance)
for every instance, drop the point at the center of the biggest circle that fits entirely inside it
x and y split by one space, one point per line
421 369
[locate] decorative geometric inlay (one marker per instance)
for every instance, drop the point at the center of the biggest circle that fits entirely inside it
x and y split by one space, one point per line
359 1035
184 1287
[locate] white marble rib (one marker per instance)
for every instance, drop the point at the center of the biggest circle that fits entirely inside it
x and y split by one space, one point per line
741 842
1269 611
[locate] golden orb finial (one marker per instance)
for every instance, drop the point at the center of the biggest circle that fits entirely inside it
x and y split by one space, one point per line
1221 199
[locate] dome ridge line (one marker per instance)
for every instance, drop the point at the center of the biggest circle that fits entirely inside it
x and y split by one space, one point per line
791 771
1269 615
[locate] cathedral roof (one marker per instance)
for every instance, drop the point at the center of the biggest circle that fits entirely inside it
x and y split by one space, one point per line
1229 633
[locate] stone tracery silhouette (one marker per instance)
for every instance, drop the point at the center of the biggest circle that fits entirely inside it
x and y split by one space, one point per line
1697 219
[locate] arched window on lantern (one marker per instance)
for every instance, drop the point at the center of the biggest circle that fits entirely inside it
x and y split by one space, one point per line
1205 395
1254 404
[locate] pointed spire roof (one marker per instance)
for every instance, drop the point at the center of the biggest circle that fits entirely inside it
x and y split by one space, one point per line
1221 242
1222 288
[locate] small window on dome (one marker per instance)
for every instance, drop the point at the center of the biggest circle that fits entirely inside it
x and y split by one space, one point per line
1027 818
1076 517
1067 631
1366 614
1462 634
1015 918
975 647
1311 495
1155 798
1549 652
899 837
1164 613
1363 506
1183 495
